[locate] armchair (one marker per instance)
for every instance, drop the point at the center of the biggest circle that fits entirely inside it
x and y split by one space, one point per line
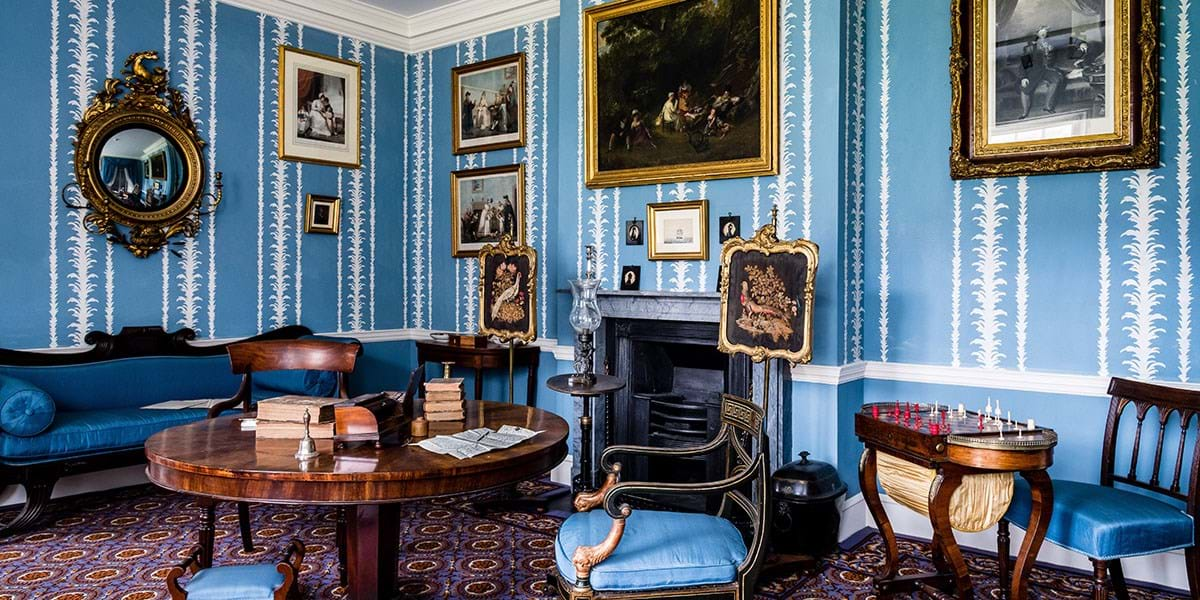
1107 523
623 553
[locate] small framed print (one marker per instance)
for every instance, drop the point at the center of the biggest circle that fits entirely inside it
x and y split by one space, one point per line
508 291
729 227
678 230
634 232
488 204
631 278
322 214
767 289
319 108
489 106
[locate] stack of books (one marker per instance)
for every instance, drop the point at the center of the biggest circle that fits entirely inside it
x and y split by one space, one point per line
444 399
283 417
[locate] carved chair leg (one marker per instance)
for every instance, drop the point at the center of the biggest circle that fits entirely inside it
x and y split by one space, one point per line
37 497
1117 574
340 540
1003 545
1099 579
244 525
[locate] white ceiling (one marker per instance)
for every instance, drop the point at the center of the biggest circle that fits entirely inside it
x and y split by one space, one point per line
408 8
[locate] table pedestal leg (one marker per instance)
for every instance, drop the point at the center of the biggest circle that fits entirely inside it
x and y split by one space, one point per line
585 481
1042 493
870 490
373 541
208 508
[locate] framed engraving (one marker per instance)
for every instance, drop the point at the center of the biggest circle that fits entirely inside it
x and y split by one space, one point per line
489 108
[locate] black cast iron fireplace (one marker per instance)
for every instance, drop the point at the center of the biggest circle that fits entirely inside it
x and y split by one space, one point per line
675 380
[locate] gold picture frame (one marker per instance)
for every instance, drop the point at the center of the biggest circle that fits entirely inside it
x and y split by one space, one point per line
690 237
766 159
322 214
486 70
770 314
508 274
486 188
1095 77
316 134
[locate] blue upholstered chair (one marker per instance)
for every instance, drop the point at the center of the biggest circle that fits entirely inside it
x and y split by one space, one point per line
623 553
1107 523
236 582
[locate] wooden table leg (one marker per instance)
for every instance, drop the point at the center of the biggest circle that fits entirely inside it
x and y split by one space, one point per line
944 485
207 534
870 490
478 382
373 548
1042 492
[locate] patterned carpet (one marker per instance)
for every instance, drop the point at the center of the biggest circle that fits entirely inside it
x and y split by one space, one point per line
119 545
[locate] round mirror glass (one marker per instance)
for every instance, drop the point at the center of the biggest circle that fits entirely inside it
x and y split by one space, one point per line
141 168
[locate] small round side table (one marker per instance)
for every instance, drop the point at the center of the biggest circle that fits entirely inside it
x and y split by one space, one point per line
604 385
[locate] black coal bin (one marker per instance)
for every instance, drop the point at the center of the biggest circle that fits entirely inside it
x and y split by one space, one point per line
806 513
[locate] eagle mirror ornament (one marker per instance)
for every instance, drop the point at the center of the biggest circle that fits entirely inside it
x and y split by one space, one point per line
139 168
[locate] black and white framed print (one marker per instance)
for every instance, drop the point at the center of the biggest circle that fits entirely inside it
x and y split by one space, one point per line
319 108
631 278
730 227
635 232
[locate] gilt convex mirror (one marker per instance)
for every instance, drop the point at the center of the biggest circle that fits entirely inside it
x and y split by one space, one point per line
138 161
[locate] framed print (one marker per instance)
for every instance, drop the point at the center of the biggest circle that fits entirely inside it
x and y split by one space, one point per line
729 228
508 291
1053 86
678 90
767 289
634 232
319 108
631 278
489 108
322 214
678 230
487 205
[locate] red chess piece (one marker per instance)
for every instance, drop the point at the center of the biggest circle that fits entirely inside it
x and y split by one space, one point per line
933 429
981 421
875 412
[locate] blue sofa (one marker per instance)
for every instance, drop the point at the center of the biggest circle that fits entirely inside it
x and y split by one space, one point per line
86 413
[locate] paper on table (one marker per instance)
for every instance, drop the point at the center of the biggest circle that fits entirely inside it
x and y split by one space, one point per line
473 442
179 404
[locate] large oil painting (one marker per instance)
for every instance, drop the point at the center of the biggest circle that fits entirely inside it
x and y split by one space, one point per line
1053 86
679 89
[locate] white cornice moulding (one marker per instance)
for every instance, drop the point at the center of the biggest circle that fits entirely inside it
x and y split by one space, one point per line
431 29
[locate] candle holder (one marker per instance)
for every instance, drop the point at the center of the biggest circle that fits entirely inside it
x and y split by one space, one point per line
585 319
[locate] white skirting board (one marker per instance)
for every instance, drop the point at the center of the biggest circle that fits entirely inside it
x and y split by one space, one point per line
1167 569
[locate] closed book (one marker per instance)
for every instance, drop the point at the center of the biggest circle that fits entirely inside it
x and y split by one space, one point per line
443 406
436 396
448 415
443 384
292 408
290 430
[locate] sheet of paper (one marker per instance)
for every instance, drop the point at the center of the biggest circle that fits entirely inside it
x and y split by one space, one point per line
180 404
473 442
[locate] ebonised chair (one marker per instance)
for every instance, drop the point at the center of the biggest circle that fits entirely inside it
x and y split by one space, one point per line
1106 523
237 582
625 553
301 357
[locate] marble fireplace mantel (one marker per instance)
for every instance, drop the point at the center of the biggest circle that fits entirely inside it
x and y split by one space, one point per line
660 306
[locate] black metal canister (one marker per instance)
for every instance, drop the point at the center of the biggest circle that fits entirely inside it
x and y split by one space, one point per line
806 514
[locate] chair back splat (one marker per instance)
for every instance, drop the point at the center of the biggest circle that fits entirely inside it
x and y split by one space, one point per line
1168 401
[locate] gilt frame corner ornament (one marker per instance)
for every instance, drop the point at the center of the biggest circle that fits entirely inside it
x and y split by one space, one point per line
141 100
770 251
1118 131
521 261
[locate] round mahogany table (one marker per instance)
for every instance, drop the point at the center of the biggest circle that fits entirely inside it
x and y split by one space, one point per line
216 460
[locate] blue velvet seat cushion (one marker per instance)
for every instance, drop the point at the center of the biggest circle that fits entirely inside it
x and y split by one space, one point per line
268 384
235 582
25 409
86 432
658 550
1106 523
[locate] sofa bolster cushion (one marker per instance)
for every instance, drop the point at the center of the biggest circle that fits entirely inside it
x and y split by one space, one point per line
25 410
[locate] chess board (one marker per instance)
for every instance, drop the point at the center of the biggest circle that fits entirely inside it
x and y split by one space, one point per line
960 427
